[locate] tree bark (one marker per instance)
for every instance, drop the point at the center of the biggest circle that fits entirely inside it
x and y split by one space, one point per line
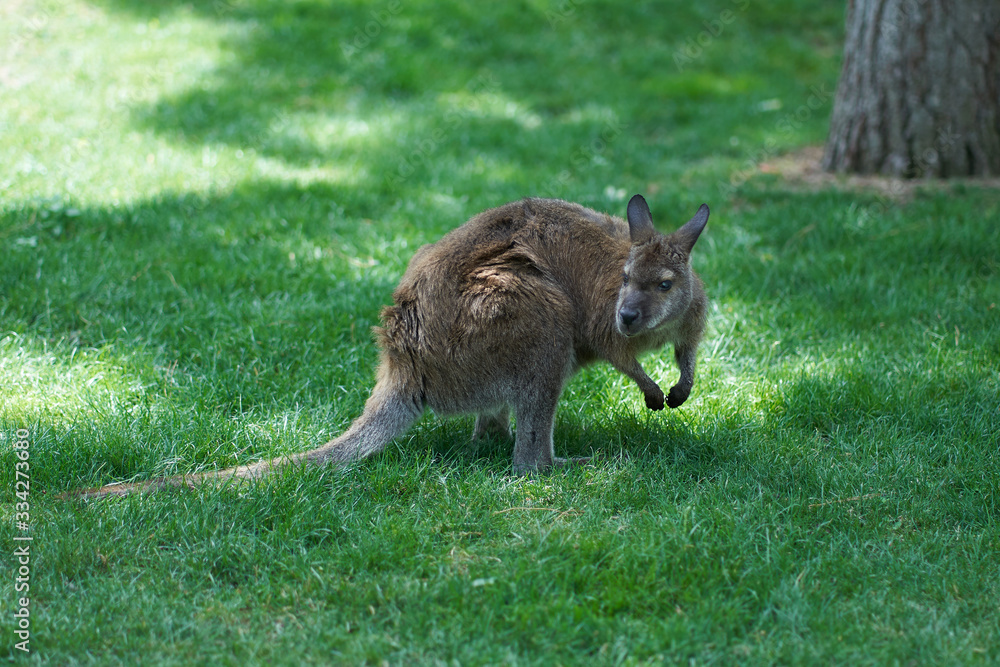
919 92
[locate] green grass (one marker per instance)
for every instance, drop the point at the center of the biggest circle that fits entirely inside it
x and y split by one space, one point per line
205 205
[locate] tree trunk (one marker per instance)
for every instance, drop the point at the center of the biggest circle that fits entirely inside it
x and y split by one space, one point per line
919 93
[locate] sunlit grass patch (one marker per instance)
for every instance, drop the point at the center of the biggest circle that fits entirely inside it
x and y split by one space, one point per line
63 383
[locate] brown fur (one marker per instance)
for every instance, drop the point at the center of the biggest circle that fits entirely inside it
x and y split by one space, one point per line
501 312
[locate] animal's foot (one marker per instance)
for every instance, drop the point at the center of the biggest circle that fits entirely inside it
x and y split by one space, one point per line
654 400
677 396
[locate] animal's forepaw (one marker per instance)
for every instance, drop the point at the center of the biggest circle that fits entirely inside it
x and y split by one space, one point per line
654 401
676 396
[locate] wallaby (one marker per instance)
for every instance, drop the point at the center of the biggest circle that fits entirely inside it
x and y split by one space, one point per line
501 312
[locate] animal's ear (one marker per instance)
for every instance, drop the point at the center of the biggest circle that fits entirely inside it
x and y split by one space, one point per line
640 222
686 236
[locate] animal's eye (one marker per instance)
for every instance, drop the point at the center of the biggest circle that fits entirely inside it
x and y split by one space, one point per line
624 279
666 285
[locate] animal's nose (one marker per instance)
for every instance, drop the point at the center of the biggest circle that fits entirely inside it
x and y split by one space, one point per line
628 315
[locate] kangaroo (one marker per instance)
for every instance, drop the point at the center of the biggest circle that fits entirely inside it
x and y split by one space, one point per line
501 312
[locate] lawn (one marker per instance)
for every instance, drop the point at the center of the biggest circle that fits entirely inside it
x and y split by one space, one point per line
203 207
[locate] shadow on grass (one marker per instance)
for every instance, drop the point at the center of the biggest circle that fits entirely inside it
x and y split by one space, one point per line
414 94
173 254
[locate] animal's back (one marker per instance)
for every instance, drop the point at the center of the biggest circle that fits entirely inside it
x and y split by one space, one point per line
506 291
531 234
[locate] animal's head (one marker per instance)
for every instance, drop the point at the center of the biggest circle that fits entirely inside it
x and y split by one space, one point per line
657 281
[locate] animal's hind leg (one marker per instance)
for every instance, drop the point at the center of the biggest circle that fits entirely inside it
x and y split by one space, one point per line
533 449
489 426
492 425
533 445
535 399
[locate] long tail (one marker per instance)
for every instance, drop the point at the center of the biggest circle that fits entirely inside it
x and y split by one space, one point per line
388 413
